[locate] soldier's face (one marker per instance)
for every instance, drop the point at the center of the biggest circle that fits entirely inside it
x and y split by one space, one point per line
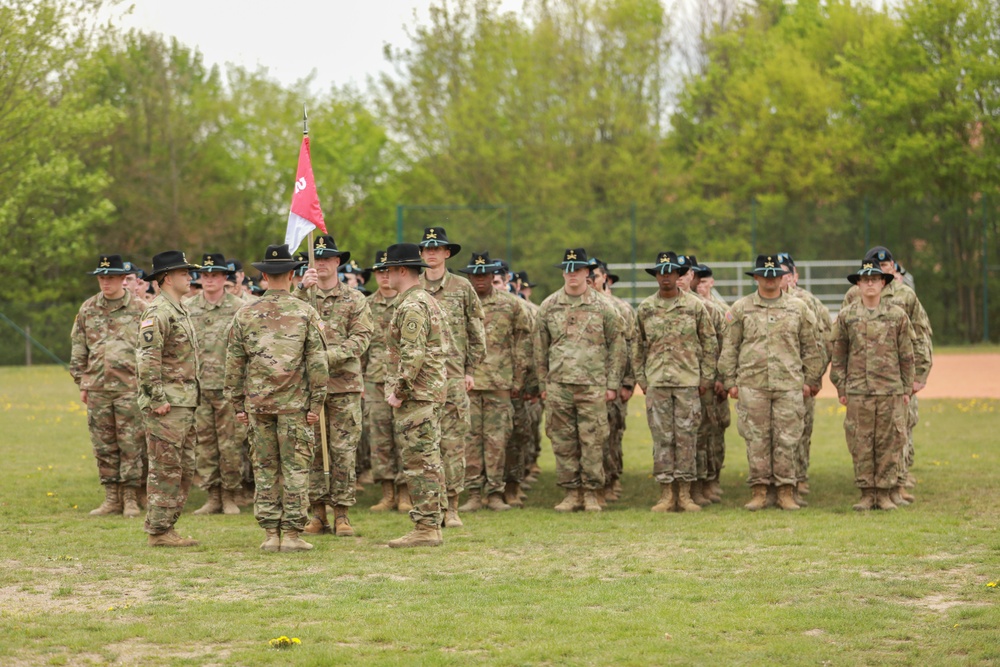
499 282
382 278
482 282
178 281
576 280
435 257
667 281
599 278
351 279
112 287
705 285
887 266
684 282
870 286
769 285
213 282
326 267
526 291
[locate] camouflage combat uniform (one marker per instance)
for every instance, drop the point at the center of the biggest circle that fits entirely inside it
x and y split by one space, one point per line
872 365
715 411
674 355
579 356
823 329
102 363
276 372
377 413
219 452
618 409
418 341
526 433
508 334
769 353
168 368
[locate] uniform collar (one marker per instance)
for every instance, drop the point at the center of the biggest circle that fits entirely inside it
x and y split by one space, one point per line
104 303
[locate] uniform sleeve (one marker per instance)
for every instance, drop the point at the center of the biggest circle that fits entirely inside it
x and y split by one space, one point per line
414 328
475 331
521 345
839 355
709 347
729 357
812 361
639 351
359 335
907 360
149 357
80 351
541 352
316 364
615 340
236 360
923 349
628 379
853 294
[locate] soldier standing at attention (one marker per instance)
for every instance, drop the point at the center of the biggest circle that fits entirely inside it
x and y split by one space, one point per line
168 370
415 389
489 474
872 369
347 323
528 407
219 450
464 317
674 362
770 360
580 360
276 378
102 364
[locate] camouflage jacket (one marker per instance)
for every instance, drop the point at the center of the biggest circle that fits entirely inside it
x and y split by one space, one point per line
417 343
211 326
902 295
629 332
579 340
167 357
675 344
464 316
276 357
824 325
872 351
770 345
531 374
374 360
348 326
104 338
717 313
508 325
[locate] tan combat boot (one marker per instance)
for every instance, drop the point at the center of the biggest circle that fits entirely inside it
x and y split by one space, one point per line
130 494
388 502
882 500
229 505
610 495
291 541
341 524
867 501
170 539
772 496
803 488
403 501
273 541
214 503
495 502
896 499
112 501
512 495
451 518
590 501
906 495
366 477
785 499
474 503
715 489
759 499
601 500
697 496
799 500
685 503
318 524
666 503
573 501
911 481
422 535
708 490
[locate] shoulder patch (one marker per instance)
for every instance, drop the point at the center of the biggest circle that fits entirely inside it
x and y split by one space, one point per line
147 323
729 316
413 322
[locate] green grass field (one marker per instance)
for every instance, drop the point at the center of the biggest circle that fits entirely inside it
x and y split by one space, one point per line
823 586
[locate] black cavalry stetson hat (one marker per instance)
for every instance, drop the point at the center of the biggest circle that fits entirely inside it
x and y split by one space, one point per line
170 260
380 257
870 267
480 263
110 265
277 259
403 254
879 254
573 260
667 261
786 259
703 270
767 266
435 237
523 277
214 262
325 246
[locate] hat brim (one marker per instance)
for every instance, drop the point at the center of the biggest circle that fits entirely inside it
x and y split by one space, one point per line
408 263
886 277
323 253
573 266
276 268
482 270
215 269
679 270
453 247
109 272
156 272
762 273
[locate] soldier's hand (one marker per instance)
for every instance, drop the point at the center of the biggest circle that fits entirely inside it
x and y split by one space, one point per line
806 391
543 395
843 400
610 395
720 389
917 386
625 394
470 383
906 399
734 392
310 278
162 410
312 418
393 401
702 390
242 418
83 396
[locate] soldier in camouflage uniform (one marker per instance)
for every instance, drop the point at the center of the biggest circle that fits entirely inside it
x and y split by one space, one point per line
276 378
770 360
580 360
494 468
899 294
674 362
348 326
102 364
415 389
526 432
872 368
168 369
219 452
468 347
386 467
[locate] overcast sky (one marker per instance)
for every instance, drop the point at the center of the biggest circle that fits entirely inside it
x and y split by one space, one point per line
341 39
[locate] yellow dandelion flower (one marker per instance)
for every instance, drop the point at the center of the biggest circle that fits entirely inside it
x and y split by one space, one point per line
992 584
296 640
49 494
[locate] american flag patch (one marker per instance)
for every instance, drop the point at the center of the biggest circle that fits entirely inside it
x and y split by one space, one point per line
729 316
146 323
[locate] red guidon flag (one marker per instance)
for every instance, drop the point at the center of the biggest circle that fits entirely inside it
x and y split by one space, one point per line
305 214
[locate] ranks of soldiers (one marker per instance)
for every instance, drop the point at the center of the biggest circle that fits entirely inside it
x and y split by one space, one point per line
432 383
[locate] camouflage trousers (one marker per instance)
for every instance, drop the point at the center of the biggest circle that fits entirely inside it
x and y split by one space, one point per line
219 452
912 417
717 436
674 415
805 442
613 462
454 433
771 424
416 429
576 421
118 437
707 426
281 447
170 442
363 460
876 437
386 466
535 411
492 420
343 431
525 436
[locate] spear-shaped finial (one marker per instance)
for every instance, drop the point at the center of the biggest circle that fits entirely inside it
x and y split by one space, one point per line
305 121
